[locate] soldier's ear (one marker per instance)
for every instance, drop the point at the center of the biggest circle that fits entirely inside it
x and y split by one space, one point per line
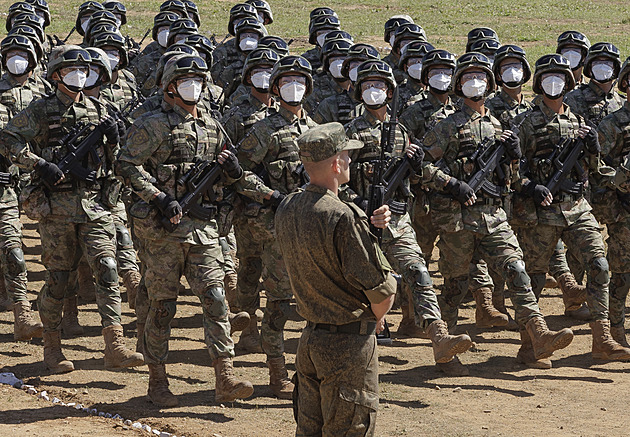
390 93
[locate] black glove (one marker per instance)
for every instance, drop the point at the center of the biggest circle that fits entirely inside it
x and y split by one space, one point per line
276 199
122 128
540 193
416 160
460 190
231 166
591 142
110 130
513 146
361 203
168 206
48 172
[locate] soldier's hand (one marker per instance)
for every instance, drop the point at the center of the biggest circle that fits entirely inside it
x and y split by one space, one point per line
110 130
591 139
415 153
512 144
381 217
229 163
169 207
542 195
276 199
122 129
49 172
461 191
380 325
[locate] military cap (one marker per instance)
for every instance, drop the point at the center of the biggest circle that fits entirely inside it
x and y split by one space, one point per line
324 141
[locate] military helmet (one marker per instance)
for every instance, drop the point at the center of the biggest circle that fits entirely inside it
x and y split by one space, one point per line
114 40
436 58
359 52
19 42
98 28
163 19
320 12
174 50
394 23
41 9
182 27
32 35
291 65
408 31
334 49
117 8
480 33
623 76
553 63
274 43
204 46
86 10
335 35
325 22
65 56
262 8
373 69
257 58
193 11
16 9
97 23
176 6
33 20
510 51
103 16
602 50
238 12
183 65
472 60
573 37
486 46
249 25
415 49
100 59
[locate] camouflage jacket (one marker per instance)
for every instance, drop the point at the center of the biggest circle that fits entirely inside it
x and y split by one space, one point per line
504 108
122 91
420 117
15 98
392 59
410 92
242 116
340 107
226 72
314 56
144 68
325 87
589 101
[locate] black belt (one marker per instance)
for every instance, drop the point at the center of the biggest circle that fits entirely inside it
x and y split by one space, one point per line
490 201
566 197
362 327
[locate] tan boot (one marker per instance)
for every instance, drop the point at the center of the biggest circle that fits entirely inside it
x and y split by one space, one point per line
604 347
445 345
139 337
238 321
117 355
158 392
408 327
53 357
25 327
550 281
526 354
279 382
250 339
544 341
453 368
618 334
230 281
486 315
498 301
70 319
228 388
131 281
573 294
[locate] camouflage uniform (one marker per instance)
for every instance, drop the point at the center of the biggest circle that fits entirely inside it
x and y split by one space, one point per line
341 107
227 66
393 60
314 57
14 97
504 108
144 67
324 86
410 92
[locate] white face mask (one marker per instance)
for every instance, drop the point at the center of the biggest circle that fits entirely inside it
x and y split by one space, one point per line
512 77
320 38
292 92
574 57
440 82
91 79
553 85
114 59
17 65
190 90
374 96
353 73
335 68
84 24
260 80
415 70
601 72
248 44
75 80
261 17
392 38
163 37
118 22
474 88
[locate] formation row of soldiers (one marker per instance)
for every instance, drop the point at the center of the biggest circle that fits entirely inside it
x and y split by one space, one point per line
242 105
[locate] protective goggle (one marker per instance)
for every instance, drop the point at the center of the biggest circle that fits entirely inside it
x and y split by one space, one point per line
374 67
553 61
482 33
77 55
115 7
363 51
573 37
323 22
183 24
191 63
439 56
267 56
479 75
294 61
322 12
604 49
274 43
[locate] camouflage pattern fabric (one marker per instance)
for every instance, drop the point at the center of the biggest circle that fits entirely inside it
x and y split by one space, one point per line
588 100
13 269
341 107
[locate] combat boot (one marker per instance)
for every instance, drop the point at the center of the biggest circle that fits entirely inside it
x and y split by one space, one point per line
544 341
70 319
453 368
53 357
230 281
250 339
498 301
131 281
573 296
550 281
158 392
228 388
238 321
526 353
117 355
618 334
25 327
140 337
408 327
486 315
445 345
604 347
279 382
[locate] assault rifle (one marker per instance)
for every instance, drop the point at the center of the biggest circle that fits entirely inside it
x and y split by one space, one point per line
564 158
59 41
134 47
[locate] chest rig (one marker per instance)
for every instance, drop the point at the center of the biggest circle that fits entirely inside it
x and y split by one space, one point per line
622 119
12 97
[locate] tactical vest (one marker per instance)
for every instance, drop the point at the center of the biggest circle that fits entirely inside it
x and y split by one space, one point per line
346 108
598 108
7 97
622 120
467 142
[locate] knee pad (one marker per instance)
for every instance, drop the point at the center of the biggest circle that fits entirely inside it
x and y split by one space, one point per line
107 271
278 312
123 238
214 301
163 312
517 274
600 272
57 283
15 262
423 278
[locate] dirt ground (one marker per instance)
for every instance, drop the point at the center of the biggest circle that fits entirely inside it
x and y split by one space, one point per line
500 397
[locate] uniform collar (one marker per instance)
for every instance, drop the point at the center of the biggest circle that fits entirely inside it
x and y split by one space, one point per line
549 114
290 116
436 103
508 99
412 85
14 83
471 113
319 190
598 91
67 101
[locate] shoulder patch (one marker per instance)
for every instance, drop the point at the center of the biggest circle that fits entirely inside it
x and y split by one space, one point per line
249 143
20 121
137 136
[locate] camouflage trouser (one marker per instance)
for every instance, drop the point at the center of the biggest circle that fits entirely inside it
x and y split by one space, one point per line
583 237
619 259
167 260
337 384
228 247
500 249
405 256
142 295
249 249
565 261
62 245
11 255
425 231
